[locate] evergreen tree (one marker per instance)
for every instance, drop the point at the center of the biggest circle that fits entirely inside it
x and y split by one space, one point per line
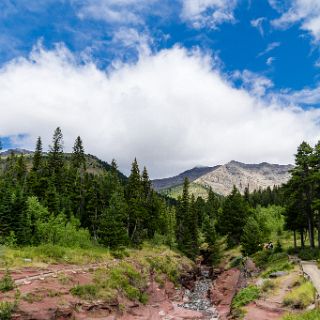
56 157
37 156
251 239
112 229
136 208
78 158
233 217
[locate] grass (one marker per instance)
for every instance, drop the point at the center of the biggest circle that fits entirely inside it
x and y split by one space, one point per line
6 282
268 285
129 277
31 297
272 262
309 315
301 296
49 254
245 296
242 298
6 309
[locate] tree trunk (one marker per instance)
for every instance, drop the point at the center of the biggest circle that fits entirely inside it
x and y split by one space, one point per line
310 230
301 238
318 230
294 239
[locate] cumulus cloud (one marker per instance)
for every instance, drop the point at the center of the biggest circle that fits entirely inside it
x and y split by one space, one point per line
305 12
208 13
170 109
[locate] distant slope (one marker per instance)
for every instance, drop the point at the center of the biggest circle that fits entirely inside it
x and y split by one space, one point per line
94 164
192 175
195 188
222 178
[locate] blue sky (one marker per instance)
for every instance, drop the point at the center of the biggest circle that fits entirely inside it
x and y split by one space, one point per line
265 50
240 42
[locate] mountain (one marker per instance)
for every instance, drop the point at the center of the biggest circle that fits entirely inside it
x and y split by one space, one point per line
93 164
192 174
16 151
222 178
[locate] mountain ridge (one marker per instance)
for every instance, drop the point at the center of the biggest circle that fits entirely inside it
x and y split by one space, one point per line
222 178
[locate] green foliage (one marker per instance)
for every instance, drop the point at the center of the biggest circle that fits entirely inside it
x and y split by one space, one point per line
300 297
309 315
87 291
233 218
252 237
123 278
272 262
6 310
6 282
245 296
309 253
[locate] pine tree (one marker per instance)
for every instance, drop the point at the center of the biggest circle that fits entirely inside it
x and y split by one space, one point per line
233 217
251 238
37 157
112 229
136 208
55 159
78 159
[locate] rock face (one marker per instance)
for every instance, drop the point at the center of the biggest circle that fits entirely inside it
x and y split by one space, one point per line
222 178
192 175
242 175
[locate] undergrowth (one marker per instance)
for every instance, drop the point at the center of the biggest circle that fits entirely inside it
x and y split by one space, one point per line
309 315
301 296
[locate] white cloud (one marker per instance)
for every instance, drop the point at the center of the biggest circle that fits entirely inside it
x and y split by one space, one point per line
170 110
208 13
128 12
253 83
305 12
271 46
270 61
258 23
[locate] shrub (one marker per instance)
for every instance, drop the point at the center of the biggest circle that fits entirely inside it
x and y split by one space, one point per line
6 310
87 291
245 296
300 297
309 254
7 283
235 262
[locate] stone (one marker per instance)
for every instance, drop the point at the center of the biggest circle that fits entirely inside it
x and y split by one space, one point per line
278 274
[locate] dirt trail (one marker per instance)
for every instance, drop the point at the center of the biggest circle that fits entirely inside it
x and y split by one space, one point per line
270 307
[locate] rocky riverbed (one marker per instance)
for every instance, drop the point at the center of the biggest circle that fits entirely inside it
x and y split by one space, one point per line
198 299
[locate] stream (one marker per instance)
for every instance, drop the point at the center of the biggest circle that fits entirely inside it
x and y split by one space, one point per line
198 299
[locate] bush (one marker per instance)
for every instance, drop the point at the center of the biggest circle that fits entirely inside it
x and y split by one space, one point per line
7 283
309 254
235 262
300 297
6 310
245 296
87 291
